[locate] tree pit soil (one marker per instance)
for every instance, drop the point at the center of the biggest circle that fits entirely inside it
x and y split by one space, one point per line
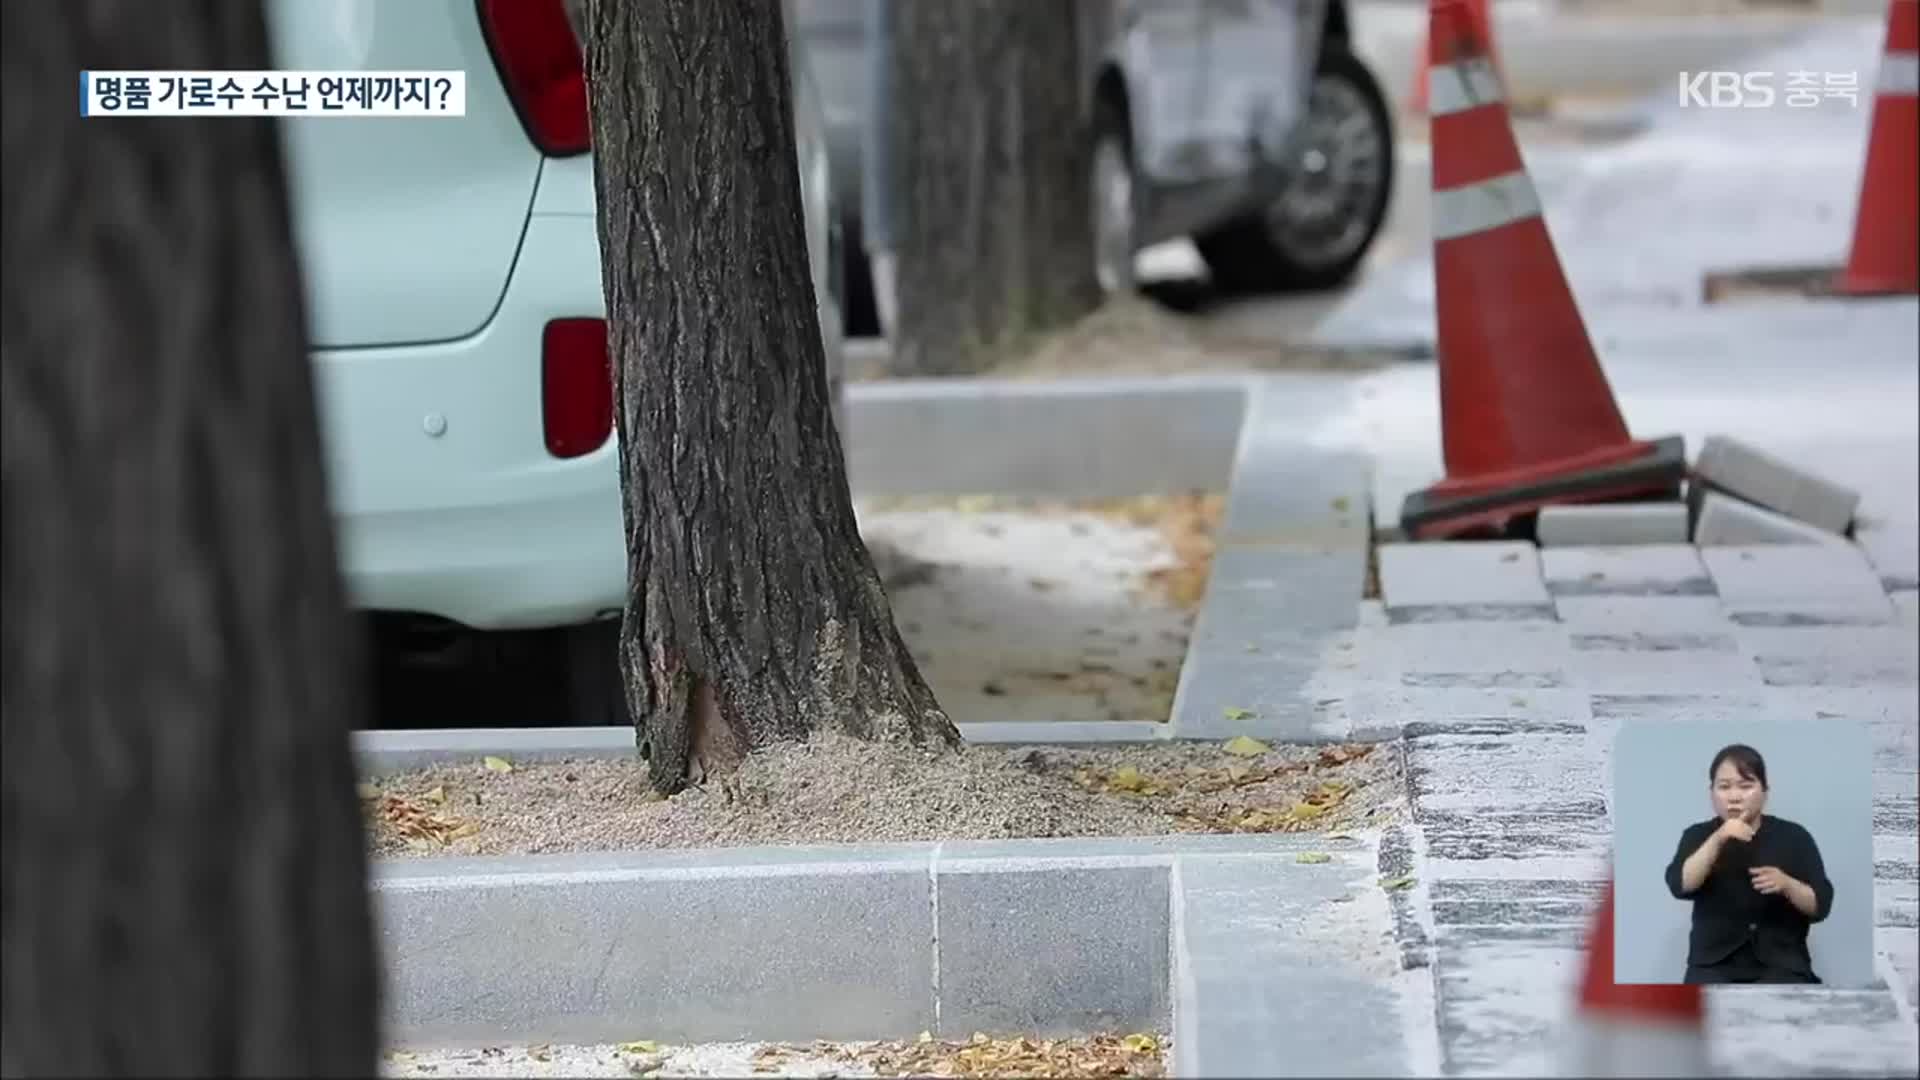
1045 610
833 789
1134 1055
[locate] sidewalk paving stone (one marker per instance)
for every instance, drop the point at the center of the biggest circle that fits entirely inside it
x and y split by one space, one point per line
1254 946
1463 581
1642 570
1828 584
1510 787
1894 551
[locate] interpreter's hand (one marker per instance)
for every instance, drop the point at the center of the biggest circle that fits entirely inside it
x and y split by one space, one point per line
1736 829
1770 880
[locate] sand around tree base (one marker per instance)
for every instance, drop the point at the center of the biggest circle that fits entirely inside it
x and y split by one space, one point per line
834 789
1136 1055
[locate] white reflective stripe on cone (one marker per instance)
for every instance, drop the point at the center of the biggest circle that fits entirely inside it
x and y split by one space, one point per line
1489 204
1900 74
1455 88
1616 1047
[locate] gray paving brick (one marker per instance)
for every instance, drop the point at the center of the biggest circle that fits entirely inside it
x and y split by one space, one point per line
1894 551
1856 1032
1053 969
1470 771
1443 649
1845 656
1252 937
1618 613
595 957
1462 576
1813 584
1612 523
1646 570
1503 999
1765 478
1664 670
1548 711
1724 521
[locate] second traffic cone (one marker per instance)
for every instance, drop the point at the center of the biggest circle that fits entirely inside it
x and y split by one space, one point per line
1647 1030
1527 417
1885 257
1482 14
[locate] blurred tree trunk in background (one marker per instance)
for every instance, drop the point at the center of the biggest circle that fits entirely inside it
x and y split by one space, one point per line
990 154
753 611
185 878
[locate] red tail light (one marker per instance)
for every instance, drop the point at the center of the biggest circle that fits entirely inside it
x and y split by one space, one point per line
576 386
539 63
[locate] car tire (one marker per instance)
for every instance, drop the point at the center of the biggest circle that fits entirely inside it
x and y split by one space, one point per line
1275 249
1114 199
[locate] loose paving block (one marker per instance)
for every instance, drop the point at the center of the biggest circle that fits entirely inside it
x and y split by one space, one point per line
1454 581
1050 950
1797 585
1894 552
1729 522
1612 524
1760 477
1286 969
1639 570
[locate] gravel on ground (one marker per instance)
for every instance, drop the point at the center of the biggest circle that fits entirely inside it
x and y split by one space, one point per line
1136 1055
834 789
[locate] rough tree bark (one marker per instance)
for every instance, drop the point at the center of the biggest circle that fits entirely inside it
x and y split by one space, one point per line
184 874
990 153
754 613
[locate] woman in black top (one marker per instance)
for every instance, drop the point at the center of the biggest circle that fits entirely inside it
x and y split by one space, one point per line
1756 882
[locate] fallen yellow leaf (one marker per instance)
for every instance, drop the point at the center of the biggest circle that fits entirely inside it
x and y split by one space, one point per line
1126 778
1304 811
464 829
1396 884
640 1046
1312 857
1141 1044
368 792
1244 746
437 795
497 764
1234 713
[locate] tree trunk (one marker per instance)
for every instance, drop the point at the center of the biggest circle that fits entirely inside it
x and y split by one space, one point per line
990 161
184 873
753 611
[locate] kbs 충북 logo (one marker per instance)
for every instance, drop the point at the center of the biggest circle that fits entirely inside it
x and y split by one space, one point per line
1762 89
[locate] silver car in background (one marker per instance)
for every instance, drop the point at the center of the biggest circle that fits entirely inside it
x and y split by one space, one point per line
1248 125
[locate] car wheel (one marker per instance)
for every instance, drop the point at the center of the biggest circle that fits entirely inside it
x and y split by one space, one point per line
1114 201
1320 225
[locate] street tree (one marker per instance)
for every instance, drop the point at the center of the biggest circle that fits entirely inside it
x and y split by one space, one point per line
184 869
754 613
988 163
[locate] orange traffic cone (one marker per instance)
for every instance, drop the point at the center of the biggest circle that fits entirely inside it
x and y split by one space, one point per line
1527 417
1634 1030
1482 15
1885 258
